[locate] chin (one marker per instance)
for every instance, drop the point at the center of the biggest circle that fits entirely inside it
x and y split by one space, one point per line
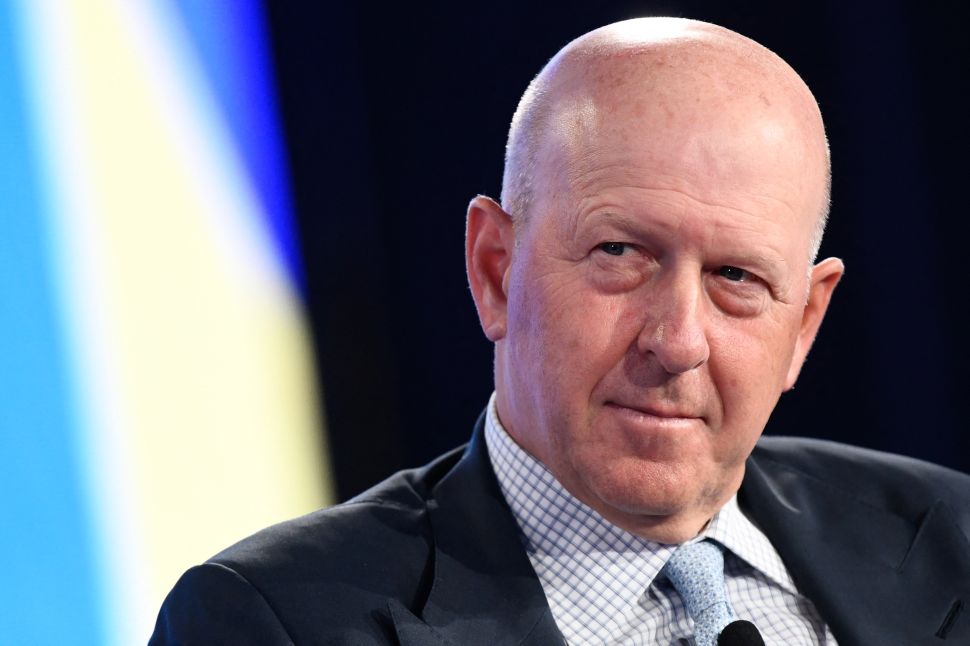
644 489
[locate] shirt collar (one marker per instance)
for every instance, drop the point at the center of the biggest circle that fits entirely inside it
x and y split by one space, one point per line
732 529
556 524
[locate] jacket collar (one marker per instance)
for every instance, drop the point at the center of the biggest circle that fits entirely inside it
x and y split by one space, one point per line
485 592
874 576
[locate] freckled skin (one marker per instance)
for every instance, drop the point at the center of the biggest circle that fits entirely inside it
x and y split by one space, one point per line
641 373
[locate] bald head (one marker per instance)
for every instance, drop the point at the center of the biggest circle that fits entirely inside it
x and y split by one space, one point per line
657 79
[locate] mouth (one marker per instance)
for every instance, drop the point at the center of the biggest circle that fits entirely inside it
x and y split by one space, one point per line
661 412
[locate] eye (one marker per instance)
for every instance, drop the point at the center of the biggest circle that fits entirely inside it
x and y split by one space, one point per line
738 292
612 248
735 274
619 266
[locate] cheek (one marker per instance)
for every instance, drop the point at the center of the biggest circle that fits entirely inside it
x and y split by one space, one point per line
590 330
748 366
567 334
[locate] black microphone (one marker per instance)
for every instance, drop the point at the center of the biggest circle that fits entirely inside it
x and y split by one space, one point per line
740 633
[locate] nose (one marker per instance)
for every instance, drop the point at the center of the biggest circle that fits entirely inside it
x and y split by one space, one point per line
674 327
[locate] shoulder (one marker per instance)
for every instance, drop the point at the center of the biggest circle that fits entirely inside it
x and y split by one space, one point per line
884 480
335 567
385 519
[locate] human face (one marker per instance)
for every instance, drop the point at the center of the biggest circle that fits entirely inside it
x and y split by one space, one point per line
656 306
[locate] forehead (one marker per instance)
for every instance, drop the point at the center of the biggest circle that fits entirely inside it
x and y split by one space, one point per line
718 140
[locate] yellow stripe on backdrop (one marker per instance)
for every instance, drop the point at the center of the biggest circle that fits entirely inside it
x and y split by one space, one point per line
189 342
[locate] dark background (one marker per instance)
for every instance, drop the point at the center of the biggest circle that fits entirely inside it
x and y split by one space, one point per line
396 117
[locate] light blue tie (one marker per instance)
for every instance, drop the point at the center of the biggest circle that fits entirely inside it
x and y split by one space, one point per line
697 571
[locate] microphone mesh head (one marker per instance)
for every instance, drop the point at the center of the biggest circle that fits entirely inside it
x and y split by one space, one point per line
740 633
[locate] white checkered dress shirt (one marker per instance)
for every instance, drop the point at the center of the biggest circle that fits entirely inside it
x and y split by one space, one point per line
601 581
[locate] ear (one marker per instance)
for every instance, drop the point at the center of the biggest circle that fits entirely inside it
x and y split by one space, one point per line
489 241
825 276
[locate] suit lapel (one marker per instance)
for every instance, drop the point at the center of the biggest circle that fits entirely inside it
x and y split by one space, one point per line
874 576
485 592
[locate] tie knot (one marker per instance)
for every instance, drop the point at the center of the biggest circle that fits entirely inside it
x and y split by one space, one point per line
697 572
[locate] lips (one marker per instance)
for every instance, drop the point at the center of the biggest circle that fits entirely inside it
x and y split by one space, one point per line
659 410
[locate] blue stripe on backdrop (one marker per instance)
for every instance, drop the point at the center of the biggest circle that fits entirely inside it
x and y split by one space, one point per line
232 44
49 592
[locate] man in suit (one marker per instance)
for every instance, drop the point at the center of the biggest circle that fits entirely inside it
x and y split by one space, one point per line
650 285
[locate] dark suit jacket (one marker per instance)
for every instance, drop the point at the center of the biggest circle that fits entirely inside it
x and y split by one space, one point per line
433 557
